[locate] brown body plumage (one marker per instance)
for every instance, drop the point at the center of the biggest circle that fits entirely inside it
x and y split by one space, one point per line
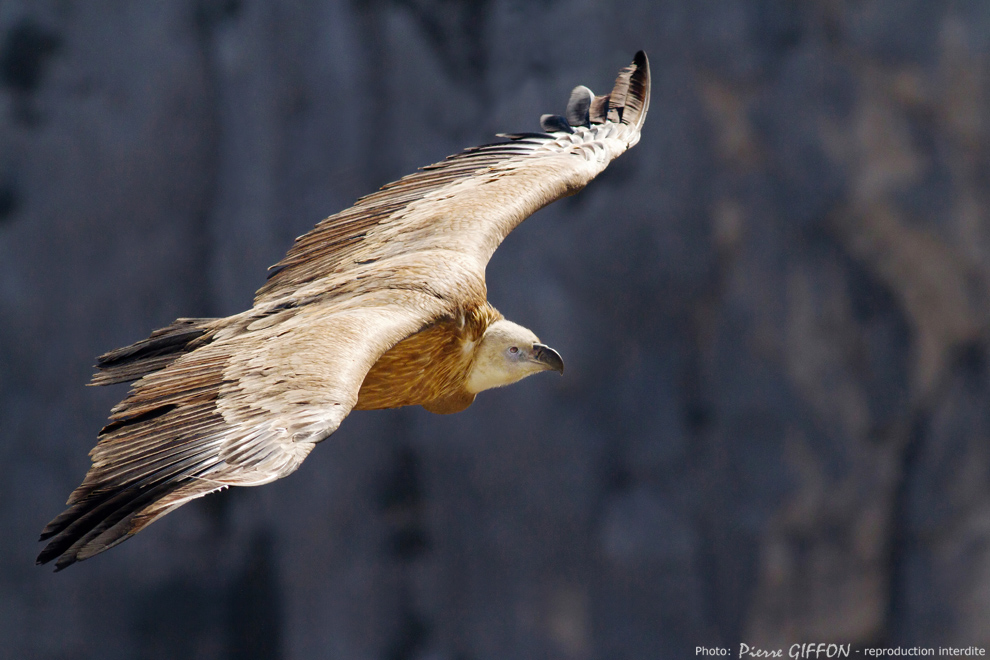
430 368
379 306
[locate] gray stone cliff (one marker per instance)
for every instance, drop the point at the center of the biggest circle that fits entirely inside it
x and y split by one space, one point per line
774 423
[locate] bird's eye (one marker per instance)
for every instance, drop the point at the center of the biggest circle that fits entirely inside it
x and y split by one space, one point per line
514 349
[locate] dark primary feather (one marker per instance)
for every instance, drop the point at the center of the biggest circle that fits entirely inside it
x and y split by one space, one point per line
579 106
631 95
598 112
555 124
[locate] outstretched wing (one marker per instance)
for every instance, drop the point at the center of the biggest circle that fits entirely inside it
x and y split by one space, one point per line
243 400
470 202
243 410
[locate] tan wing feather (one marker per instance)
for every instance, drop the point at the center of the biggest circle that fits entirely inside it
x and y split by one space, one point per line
244 410
468 203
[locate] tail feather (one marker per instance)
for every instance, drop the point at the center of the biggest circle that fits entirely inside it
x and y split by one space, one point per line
152 354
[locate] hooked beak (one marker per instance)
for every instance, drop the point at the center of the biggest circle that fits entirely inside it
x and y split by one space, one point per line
548 357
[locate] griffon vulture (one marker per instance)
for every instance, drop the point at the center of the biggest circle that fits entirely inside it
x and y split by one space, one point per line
379 306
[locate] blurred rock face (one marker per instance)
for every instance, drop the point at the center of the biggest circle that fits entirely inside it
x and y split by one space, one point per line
774 424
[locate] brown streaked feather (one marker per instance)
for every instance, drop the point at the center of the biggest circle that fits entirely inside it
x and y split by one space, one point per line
598 112
124 365
430 366
630 98
453 403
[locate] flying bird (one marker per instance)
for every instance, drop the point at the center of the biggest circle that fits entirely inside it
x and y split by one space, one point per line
379 306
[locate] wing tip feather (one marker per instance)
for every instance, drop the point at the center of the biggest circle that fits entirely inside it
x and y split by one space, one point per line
629 100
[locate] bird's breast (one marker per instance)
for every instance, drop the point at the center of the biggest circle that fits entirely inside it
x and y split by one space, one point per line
428 366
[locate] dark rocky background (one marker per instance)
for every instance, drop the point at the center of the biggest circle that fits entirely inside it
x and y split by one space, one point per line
774 424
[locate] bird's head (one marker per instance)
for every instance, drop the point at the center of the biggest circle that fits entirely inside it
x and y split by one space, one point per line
508 353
